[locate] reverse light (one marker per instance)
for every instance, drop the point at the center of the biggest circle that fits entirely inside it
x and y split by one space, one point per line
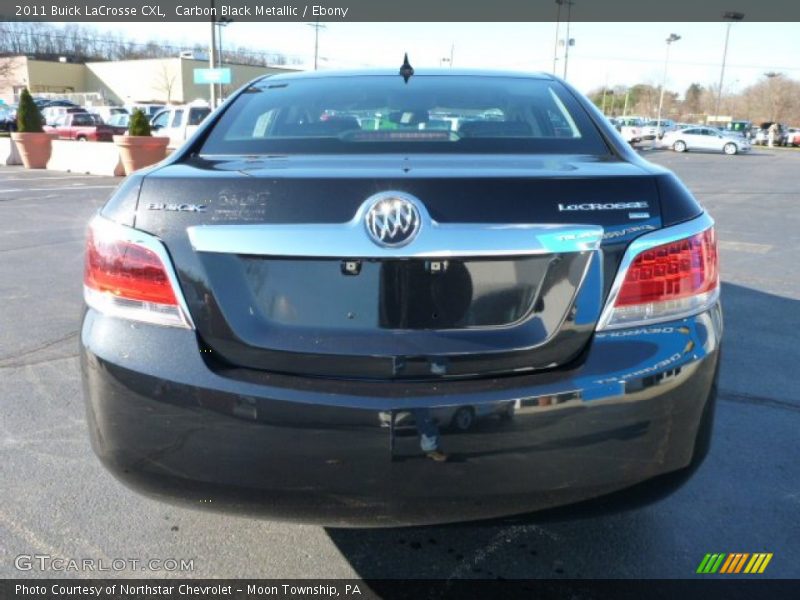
669 274
128 274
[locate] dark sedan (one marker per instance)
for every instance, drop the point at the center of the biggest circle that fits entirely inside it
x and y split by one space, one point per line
285 317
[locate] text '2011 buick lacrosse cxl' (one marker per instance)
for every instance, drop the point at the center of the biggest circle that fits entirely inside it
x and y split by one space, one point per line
376 298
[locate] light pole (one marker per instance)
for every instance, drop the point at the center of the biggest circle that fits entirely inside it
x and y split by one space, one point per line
222 22
729 16
558 24
212 50
568 41
673 37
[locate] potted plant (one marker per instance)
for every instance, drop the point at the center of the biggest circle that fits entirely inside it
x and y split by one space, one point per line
138 148
33 143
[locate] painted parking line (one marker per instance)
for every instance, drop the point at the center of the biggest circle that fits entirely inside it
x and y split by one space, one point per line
748 247
76 176
72 188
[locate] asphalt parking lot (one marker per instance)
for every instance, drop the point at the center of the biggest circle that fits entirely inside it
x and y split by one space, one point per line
58 500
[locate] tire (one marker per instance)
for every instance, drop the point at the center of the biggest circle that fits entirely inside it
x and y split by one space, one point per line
464 419
730 149
679 146
81 138
508 413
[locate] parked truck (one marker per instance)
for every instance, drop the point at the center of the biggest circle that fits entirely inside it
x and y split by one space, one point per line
83 127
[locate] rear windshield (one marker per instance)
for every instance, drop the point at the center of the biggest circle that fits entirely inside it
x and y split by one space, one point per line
441 113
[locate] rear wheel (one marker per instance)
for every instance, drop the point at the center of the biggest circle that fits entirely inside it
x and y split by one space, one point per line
81 138
463 419
730 148
508 412
679 146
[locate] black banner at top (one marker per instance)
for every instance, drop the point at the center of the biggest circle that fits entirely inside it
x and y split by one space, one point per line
399 10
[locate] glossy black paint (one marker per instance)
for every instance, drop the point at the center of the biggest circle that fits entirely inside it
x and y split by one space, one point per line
169 422
528 189
250 414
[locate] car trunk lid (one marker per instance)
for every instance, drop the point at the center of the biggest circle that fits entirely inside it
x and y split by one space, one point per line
505 275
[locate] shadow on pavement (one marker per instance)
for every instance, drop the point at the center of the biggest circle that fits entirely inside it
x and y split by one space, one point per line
759 328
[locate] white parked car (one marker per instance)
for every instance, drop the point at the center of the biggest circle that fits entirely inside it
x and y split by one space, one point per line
653 130
631 128
706 139
52 114
106 112
148 109
178 123
792 136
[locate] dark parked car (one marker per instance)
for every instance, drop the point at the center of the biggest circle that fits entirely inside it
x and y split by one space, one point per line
265 305
761 136
8 117
42 103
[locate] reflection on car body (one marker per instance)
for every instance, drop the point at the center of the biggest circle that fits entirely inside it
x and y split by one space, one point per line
465 266
707 139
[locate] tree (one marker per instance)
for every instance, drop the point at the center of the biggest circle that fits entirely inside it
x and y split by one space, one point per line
166 80
29 119
692 99
139 125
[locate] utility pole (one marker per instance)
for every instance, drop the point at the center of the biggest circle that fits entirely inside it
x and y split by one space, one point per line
625 108
212 51
317 26
605 88
449 61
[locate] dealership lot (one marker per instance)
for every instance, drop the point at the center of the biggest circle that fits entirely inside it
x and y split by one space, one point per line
59 501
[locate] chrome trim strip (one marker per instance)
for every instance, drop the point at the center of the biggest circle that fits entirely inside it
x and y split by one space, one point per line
104 227
645 242
434 240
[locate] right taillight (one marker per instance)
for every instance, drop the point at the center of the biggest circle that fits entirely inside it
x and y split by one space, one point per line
663 281
127 274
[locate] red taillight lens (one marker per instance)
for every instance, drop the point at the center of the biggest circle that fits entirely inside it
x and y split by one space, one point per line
680 269
128 275
127 271
665 280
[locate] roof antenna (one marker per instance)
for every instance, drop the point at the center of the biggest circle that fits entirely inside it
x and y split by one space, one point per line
406 71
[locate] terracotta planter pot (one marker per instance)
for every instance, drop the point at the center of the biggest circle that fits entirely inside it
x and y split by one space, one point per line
138 152
34 148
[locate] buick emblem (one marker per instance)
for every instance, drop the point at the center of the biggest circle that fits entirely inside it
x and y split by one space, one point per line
392 221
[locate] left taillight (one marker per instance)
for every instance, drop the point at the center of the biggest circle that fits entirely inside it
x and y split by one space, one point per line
127 274
670 274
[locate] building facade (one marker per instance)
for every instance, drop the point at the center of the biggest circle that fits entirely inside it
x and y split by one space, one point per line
156 80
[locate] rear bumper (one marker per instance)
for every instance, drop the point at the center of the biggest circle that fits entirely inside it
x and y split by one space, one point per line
167 424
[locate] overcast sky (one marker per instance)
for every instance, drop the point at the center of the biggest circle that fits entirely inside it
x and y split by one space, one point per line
619 53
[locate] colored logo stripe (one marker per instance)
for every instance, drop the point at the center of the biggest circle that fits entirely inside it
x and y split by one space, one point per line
710 563
734 563
758 563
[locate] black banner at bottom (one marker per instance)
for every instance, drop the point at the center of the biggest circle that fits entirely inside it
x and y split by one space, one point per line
346 589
